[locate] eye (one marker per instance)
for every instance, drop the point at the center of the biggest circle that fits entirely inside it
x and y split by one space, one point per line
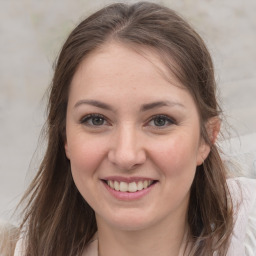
161 121
94 120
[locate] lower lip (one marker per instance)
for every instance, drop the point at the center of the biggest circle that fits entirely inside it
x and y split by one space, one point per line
129 196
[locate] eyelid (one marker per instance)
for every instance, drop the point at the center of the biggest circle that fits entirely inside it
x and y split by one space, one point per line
84 120
169 119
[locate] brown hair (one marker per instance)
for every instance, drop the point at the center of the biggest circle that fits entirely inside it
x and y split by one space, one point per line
58 221
8 237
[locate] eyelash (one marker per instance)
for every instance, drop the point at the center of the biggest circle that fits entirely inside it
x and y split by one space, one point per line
166 118
85 120
89 118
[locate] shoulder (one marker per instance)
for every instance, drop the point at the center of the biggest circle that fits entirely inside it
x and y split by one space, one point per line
92 248
8 238
19 249
243 195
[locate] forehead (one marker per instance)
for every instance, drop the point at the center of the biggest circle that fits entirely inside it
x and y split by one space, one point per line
126 79
113 60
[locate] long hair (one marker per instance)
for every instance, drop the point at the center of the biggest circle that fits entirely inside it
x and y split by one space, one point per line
8 237
57 220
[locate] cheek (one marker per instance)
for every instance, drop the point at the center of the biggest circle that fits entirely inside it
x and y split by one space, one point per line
177 156
85 156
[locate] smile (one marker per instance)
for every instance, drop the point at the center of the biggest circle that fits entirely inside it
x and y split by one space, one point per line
129 187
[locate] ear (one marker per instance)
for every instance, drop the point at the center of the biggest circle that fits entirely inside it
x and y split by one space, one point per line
67 150
212 129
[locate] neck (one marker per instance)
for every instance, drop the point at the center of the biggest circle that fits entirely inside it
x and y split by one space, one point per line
165 239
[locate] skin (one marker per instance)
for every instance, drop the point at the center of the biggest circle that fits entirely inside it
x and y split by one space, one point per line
127 141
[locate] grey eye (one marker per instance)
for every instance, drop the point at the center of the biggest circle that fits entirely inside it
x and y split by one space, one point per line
94 120
97 120
160 121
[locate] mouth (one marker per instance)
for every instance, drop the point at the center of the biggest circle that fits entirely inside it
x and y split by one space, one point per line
130 187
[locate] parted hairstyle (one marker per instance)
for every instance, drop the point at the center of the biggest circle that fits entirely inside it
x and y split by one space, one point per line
57 219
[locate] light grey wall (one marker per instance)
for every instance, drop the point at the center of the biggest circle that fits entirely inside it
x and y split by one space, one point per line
31 32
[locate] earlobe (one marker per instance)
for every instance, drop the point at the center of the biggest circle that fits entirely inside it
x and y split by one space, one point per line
213 129
203 152
67 150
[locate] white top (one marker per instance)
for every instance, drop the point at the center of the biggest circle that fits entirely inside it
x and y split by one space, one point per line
243 240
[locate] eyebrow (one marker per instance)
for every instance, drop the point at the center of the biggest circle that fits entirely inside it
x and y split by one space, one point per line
144 107
94 103
159 104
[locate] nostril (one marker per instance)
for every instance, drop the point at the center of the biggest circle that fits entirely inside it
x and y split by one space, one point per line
126 159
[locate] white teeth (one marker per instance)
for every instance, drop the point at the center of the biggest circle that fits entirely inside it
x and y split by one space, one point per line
145 184
132 187
123 186
116 186
111 184
129 187
140 185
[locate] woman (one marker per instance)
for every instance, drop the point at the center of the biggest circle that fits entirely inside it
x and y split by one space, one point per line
132 167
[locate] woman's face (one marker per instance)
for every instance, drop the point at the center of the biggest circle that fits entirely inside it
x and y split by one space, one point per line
133 138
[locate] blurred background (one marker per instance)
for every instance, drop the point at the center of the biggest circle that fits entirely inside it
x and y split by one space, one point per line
31 34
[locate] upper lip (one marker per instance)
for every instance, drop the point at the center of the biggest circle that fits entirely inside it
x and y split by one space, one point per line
127 179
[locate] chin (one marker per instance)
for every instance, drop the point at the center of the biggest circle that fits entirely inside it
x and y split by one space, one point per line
130 225
129 221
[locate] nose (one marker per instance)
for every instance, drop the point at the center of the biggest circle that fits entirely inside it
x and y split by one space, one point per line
127 150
